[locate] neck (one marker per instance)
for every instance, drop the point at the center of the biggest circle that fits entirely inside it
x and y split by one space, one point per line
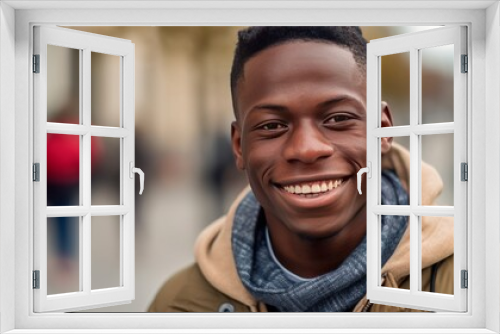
311 257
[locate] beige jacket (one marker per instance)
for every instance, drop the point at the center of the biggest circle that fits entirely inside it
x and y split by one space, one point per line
212 284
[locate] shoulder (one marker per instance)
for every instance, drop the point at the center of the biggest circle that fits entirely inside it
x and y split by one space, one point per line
442 275
189 291
437 277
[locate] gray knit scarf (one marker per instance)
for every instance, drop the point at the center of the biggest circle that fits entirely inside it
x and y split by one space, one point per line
336 291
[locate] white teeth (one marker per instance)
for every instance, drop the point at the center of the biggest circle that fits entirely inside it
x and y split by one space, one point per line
314 188
323 187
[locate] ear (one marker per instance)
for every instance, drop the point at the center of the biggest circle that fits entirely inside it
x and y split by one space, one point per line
236 144
386 121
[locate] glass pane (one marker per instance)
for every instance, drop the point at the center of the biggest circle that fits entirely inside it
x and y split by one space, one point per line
105 252
105 171
105 89
392 230
437 84
436 277
63 85
403 141
395 84
394 187
437 151
63 170
63 255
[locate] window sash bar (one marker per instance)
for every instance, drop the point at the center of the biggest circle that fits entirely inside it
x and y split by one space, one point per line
77 129
419 210
80 211
422 129
85 166
415 171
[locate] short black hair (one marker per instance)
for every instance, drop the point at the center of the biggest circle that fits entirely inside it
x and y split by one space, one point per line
253 40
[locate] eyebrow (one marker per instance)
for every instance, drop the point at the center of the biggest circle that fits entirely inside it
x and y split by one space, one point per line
332 101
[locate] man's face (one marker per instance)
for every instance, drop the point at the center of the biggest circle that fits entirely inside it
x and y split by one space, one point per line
301 135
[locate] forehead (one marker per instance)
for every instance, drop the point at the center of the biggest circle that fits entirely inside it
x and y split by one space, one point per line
300 66
297 50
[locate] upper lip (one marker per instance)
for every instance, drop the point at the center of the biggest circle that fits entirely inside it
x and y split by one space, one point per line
311 179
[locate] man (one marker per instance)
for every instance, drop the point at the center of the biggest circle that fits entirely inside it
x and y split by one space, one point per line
297 240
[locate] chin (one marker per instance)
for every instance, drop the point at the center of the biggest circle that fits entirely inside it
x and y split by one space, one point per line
317 233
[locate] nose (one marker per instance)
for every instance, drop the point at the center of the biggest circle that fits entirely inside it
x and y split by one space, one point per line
307 144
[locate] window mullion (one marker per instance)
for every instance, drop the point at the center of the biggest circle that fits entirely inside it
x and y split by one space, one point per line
414 171
80 126
127 155
85 161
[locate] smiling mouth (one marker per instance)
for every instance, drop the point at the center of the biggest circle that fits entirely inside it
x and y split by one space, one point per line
313 189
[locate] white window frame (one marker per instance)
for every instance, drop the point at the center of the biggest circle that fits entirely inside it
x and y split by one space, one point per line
16 21
85 43
414 44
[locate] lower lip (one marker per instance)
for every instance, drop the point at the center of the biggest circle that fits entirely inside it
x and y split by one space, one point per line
317 200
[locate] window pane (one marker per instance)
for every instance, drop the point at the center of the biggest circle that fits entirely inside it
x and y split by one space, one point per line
63 170
438 277
393 229
105 89
437 84
395 83
394 187
403 141
63 255
105 171
105 252
63 85
437 151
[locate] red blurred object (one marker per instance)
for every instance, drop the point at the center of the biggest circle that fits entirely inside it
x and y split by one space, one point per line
63 158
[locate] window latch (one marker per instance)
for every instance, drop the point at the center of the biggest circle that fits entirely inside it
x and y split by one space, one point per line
133 170
367 170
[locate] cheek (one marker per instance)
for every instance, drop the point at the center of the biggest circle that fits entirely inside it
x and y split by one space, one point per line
260 157
257 151
351 145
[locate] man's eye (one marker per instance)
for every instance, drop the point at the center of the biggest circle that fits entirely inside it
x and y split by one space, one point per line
272 126
338 118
